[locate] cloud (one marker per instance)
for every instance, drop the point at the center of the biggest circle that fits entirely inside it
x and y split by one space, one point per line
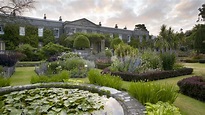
153 13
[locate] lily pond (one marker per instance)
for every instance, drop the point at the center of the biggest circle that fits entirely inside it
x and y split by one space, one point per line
54 101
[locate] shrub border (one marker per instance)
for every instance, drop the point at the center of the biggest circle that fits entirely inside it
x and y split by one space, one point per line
150 76
129 104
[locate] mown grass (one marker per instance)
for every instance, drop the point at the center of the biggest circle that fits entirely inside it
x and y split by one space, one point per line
22 76
187 105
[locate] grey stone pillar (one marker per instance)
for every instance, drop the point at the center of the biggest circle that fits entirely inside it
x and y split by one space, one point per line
102 45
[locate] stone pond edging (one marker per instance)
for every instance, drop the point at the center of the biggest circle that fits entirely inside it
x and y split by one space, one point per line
129 104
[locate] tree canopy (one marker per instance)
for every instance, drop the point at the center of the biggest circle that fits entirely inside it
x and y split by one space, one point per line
16 7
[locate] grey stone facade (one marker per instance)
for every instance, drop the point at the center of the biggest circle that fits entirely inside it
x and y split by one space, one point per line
70 27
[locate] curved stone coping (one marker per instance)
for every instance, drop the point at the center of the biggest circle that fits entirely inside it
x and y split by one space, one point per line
129 104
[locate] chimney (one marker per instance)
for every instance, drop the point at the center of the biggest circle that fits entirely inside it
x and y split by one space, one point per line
60 19
44 16
125 27
116 26
100 24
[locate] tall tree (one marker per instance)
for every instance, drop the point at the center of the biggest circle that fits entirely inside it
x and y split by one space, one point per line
201 13
16 7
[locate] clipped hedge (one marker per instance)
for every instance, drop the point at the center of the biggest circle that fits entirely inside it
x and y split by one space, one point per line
102 65
150 76
193 87
189 60
27 64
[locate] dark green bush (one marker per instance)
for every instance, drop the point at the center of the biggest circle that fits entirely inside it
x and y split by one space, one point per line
54 78
4 82
52 49
115 42
95 77
168 60
73 63
29 52
81 42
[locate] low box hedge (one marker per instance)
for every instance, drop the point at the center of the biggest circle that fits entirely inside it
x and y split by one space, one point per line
150 76
190 60
202 61
193 87
102 65
27 64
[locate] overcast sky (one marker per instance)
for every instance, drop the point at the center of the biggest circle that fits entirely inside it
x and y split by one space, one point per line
153 13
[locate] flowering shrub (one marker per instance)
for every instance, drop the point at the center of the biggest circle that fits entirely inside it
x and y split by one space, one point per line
68 55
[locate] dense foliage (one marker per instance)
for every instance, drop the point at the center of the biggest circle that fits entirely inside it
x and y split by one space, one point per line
11 36
115 42
48 37
51 101
81 42
193 87
146 92
53 49
31 53
199 38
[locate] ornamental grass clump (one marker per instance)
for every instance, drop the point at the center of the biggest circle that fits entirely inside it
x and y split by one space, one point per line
152 92
168 60
95 77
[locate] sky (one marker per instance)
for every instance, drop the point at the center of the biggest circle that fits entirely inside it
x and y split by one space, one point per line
153 13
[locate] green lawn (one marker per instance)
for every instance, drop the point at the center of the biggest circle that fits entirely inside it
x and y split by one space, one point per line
187 105
22 76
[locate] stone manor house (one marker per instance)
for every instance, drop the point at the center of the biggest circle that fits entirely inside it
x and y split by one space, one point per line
69 27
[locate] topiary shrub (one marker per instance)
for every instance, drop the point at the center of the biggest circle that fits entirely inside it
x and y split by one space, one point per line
81 42
115 42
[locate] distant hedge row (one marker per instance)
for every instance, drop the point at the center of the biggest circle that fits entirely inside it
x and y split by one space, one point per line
193 87
150 76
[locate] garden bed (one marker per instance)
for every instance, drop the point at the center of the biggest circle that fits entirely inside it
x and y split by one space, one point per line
150 76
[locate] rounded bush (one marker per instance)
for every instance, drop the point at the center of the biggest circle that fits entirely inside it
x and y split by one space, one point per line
81 42
115 42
